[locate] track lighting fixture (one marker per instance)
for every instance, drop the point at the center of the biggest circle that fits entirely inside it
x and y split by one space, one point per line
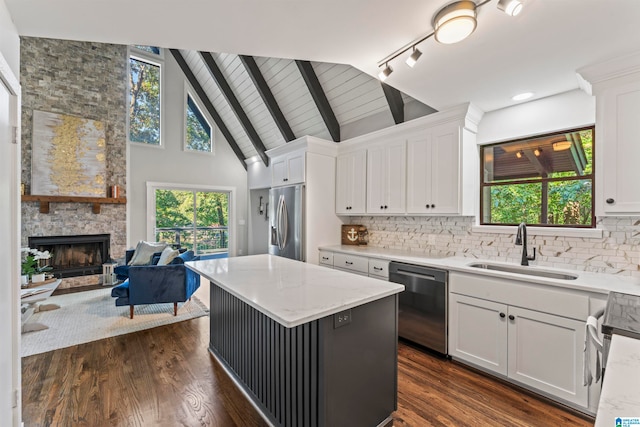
386 72
413 58
455 22
451 24
510 7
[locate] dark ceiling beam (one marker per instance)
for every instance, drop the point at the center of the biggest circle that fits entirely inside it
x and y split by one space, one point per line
396 104
208 105
267 96
536 162
227 92
320 98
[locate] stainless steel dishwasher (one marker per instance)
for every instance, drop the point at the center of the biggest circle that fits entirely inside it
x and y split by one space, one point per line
422 314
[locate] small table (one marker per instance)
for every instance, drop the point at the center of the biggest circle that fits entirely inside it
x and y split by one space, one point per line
34 295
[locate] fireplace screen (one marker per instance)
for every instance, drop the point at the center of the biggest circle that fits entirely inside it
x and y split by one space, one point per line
78 255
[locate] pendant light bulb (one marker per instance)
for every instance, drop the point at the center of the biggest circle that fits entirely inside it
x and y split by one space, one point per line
413 58
510 7
385 73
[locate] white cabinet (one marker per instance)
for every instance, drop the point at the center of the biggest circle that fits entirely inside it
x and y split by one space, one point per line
326 258
620 139
433 158
478 332
351 183
545 352
536 349
386 178
288 169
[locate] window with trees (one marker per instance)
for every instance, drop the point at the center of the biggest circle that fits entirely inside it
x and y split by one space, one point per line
198 129
193 219
145 63
545 180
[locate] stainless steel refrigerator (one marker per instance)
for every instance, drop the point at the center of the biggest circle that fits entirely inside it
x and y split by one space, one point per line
286 222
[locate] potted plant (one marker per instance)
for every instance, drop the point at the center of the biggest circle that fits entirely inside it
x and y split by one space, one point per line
31 265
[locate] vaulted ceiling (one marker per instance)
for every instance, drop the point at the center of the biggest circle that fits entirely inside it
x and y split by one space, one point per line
261 103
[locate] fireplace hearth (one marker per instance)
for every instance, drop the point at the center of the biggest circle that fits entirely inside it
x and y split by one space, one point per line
79 255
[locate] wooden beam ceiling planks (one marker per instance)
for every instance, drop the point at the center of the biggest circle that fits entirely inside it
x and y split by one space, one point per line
267 96
320 98
396 104
208 105
227 92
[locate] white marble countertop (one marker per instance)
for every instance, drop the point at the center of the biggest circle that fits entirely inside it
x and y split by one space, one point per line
292 292
620 396
586 281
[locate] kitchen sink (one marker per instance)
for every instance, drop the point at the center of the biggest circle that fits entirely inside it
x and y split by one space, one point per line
524 270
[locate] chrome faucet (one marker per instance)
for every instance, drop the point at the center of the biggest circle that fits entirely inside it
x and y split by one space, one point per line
521 240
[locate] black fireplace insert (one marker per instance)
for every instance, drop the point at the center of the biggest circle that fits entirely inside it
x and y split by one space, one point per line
78 255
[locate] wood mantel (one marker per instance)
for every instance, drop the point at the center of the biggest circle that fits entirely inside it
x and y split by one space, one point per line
96 201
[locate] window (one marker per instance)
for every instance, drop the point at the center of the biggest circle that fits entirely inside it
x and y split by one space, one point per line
545 180
198 129
193 219
144 95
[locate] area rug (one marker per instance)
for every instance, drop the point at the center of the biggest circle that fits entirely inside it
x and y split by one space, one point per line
92 315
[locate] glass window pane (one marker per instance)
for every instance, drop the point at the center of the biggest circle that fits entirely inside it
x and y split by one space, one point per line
570 202
198 129
512 204
174 217
150 49
212 219
144 108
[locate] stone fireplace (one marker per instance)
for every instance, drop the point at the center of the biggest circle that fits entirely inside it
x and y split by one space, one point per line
78 255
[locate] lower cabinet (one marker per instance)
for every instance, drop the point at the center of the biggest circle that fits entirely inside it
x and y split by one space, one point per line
539 350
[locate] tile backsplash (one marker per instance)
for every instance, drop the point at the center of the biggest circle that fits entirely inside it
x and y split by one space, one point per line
617 252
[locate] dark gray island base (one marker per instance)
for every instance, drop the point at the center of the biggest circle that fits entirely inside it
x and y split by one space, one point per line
339 370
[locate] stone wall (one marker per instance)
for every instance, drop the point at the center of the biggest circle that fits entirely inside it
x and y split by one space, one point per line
617 252
87 80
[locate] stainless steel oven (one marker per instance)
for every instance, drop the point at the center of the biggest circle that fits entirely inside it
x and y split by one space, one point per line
422 314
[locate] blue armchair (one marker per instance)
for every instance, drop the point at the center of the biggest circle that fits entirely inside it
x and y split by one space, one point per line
154 284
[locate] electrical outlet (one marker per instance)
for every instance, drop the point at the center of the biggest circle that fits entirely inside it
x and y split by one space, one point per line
341 319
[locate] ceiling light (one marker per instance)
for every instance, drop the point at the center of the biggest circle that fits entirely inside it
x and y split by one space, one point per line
522 96
413 58
561 145
386 72
537 152
455 22
510 7
519 154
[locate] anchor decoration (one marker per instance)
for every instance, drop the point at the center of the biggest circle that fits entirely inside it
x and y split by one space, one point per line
354 235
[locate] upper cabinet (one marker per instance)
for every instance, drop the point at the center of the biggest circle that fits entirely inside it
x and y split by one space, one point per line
427 166
351 183
433 175
616 85
386 178
288 169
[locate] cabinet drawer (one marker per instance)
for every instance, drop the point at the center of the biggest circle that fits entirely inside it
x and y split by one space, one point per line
379 268
351 262
326 258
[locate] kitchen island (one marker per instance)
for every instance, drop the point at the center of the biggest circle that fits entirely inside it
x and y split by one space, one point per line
310 346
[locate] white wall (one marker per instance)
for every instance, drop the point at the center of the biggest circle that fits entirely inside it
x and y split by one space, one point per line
9 40
10 370
567 110
258 223
171 164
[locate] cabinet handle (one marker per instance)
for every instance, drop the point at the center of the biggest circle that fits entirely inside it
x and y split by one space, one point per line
377 268
433 206
502 315
426 206
385 206
381 207
512 317
348 262
610 201
326 258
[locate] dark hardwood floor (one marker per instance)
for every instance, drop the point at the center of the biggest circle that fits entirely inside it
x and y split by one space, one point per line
166 377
